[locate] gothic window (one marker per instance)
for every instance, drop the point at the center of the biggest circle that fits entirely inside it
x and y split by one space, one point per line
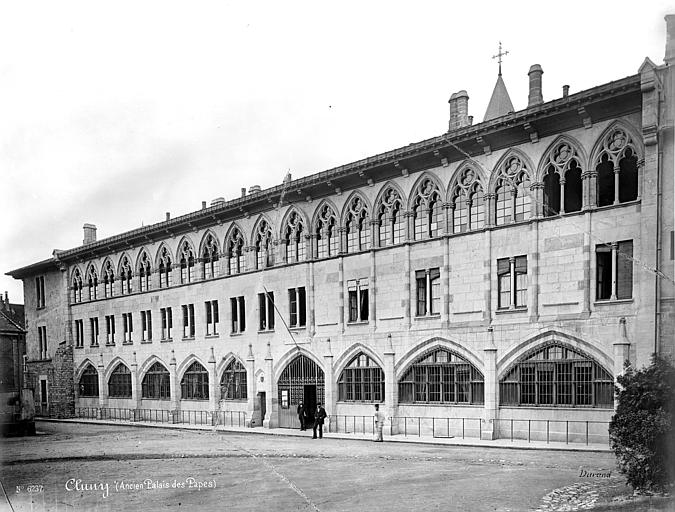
326 233
210 264
233 382
156 383
89 382
264 253
562 181
77 286
235 252
119 384
358 226
187 263
294 238
427 210
92 280
557 376
195 383
512 191
164 268
617 167
108 279
468 206
390 218
362 380
126 275
144 272
441 376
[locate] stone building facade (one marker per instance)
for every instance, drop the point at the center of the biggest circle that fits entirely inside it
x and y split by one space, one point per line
502 270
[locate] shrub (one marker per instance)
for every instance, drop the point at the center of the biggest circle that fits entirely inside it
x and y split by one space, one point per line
642 433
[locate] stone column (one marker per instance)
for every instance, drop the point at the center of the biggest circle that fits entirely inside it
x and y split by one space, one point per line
102 384
537 190
586 284
409 226
310 299
621 352
489 428
593 188
342 246
533 273
271 401
329 380
200 274
562 195
372 295
174 400
214 397
250 387
617 170
390 387
374 233
615 249
445 284
447 227
489 209
487 278
135 391
341 295
407 284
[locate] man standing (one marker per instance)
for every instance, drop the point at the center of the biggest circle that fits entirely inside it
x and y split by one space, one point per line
379 423
319 416
302 416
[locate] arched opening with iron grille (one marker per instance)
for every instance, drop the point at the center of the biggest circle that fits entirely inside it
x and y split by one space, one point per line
301 381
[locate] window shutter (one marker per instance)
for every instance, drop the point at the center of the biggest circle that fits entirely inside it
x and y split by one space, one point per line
521 264
503 266
624 270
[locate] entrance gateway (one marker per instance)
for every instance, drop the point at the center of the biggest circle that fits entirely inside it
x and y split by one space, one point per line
302 380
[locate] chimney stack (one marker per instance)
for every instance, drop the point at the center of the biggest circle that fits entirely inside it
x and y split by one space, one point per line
535 97
203 205
89 234
243 191
670 39
168 215
6 298
566 91
459 110
254 189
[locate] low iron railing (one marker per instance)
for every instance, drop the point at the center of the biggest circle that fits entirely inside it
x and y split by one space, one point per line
224 418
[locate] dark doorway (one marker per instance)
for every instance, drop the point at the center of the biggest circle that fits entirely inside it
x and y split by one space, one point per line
310 404
263 406
302 380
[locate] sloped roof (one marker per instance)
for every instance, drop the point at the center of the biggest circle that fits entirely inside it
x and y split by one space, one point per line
500 103
12 319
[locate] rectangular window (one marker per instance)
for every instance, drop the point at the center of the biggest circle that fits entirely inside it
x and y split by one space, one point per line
42 341
512 282
428 291
93 326
146 325
266 311
79 333
128 327
238 311
188 320
357 290
110 329
211 317
167 322
614 271
297 307
40 291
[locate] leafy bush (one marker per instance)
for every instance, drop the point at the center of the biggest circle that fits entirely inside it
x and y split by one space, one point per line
642 431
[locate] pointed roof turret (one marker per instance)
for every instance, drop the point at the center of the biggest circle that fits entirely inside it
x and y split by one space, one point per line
500 103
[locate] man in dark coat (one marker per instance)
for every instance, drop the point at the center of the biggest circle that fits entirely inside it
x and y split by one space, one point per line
319 416
302 416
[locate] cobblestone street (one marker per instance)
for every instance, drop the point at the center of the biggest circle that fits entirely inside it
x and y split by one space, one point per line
102 467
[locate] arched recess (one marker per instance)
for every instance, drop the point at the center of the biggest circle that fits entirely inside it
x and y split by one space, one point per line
192 358
325 226
430 344
204 240
225 361
426 205
148 363
466 198
124 261
635 141
574 342
351 351
355 220
578 152
112 365
87 380
262 240
185 239
481 177
299 377
559 172
384 190
164 252
91 266
232 380
511 183
290 210
291 354
235 229
83 366
345 207
501 167
140 259
389 211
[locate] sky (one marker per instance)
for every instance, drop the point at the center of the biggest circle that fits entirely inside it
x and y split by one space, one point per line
115 113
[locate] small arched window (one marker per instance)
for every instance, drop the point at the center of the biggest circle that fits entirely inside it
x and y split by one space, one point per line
195 383
92 280
235 252
326 235
164 268
558 376
441 376
390 218
156 383
468 211
233 382
362 380
562 181
264 253
88 384
144 272
617 167
210 263
126 275
294 238
427 210
108 279
77 286
358 226
187 263
119 383
512 192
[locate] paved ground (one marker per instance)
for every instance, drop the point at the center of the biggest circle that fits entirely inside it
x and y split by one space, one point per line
128 468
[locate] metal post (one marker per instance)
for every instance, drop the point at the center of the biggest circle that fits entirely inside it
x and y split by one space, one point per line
528 430
462 428
587 433
419 427
547 431
511 429
567 432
